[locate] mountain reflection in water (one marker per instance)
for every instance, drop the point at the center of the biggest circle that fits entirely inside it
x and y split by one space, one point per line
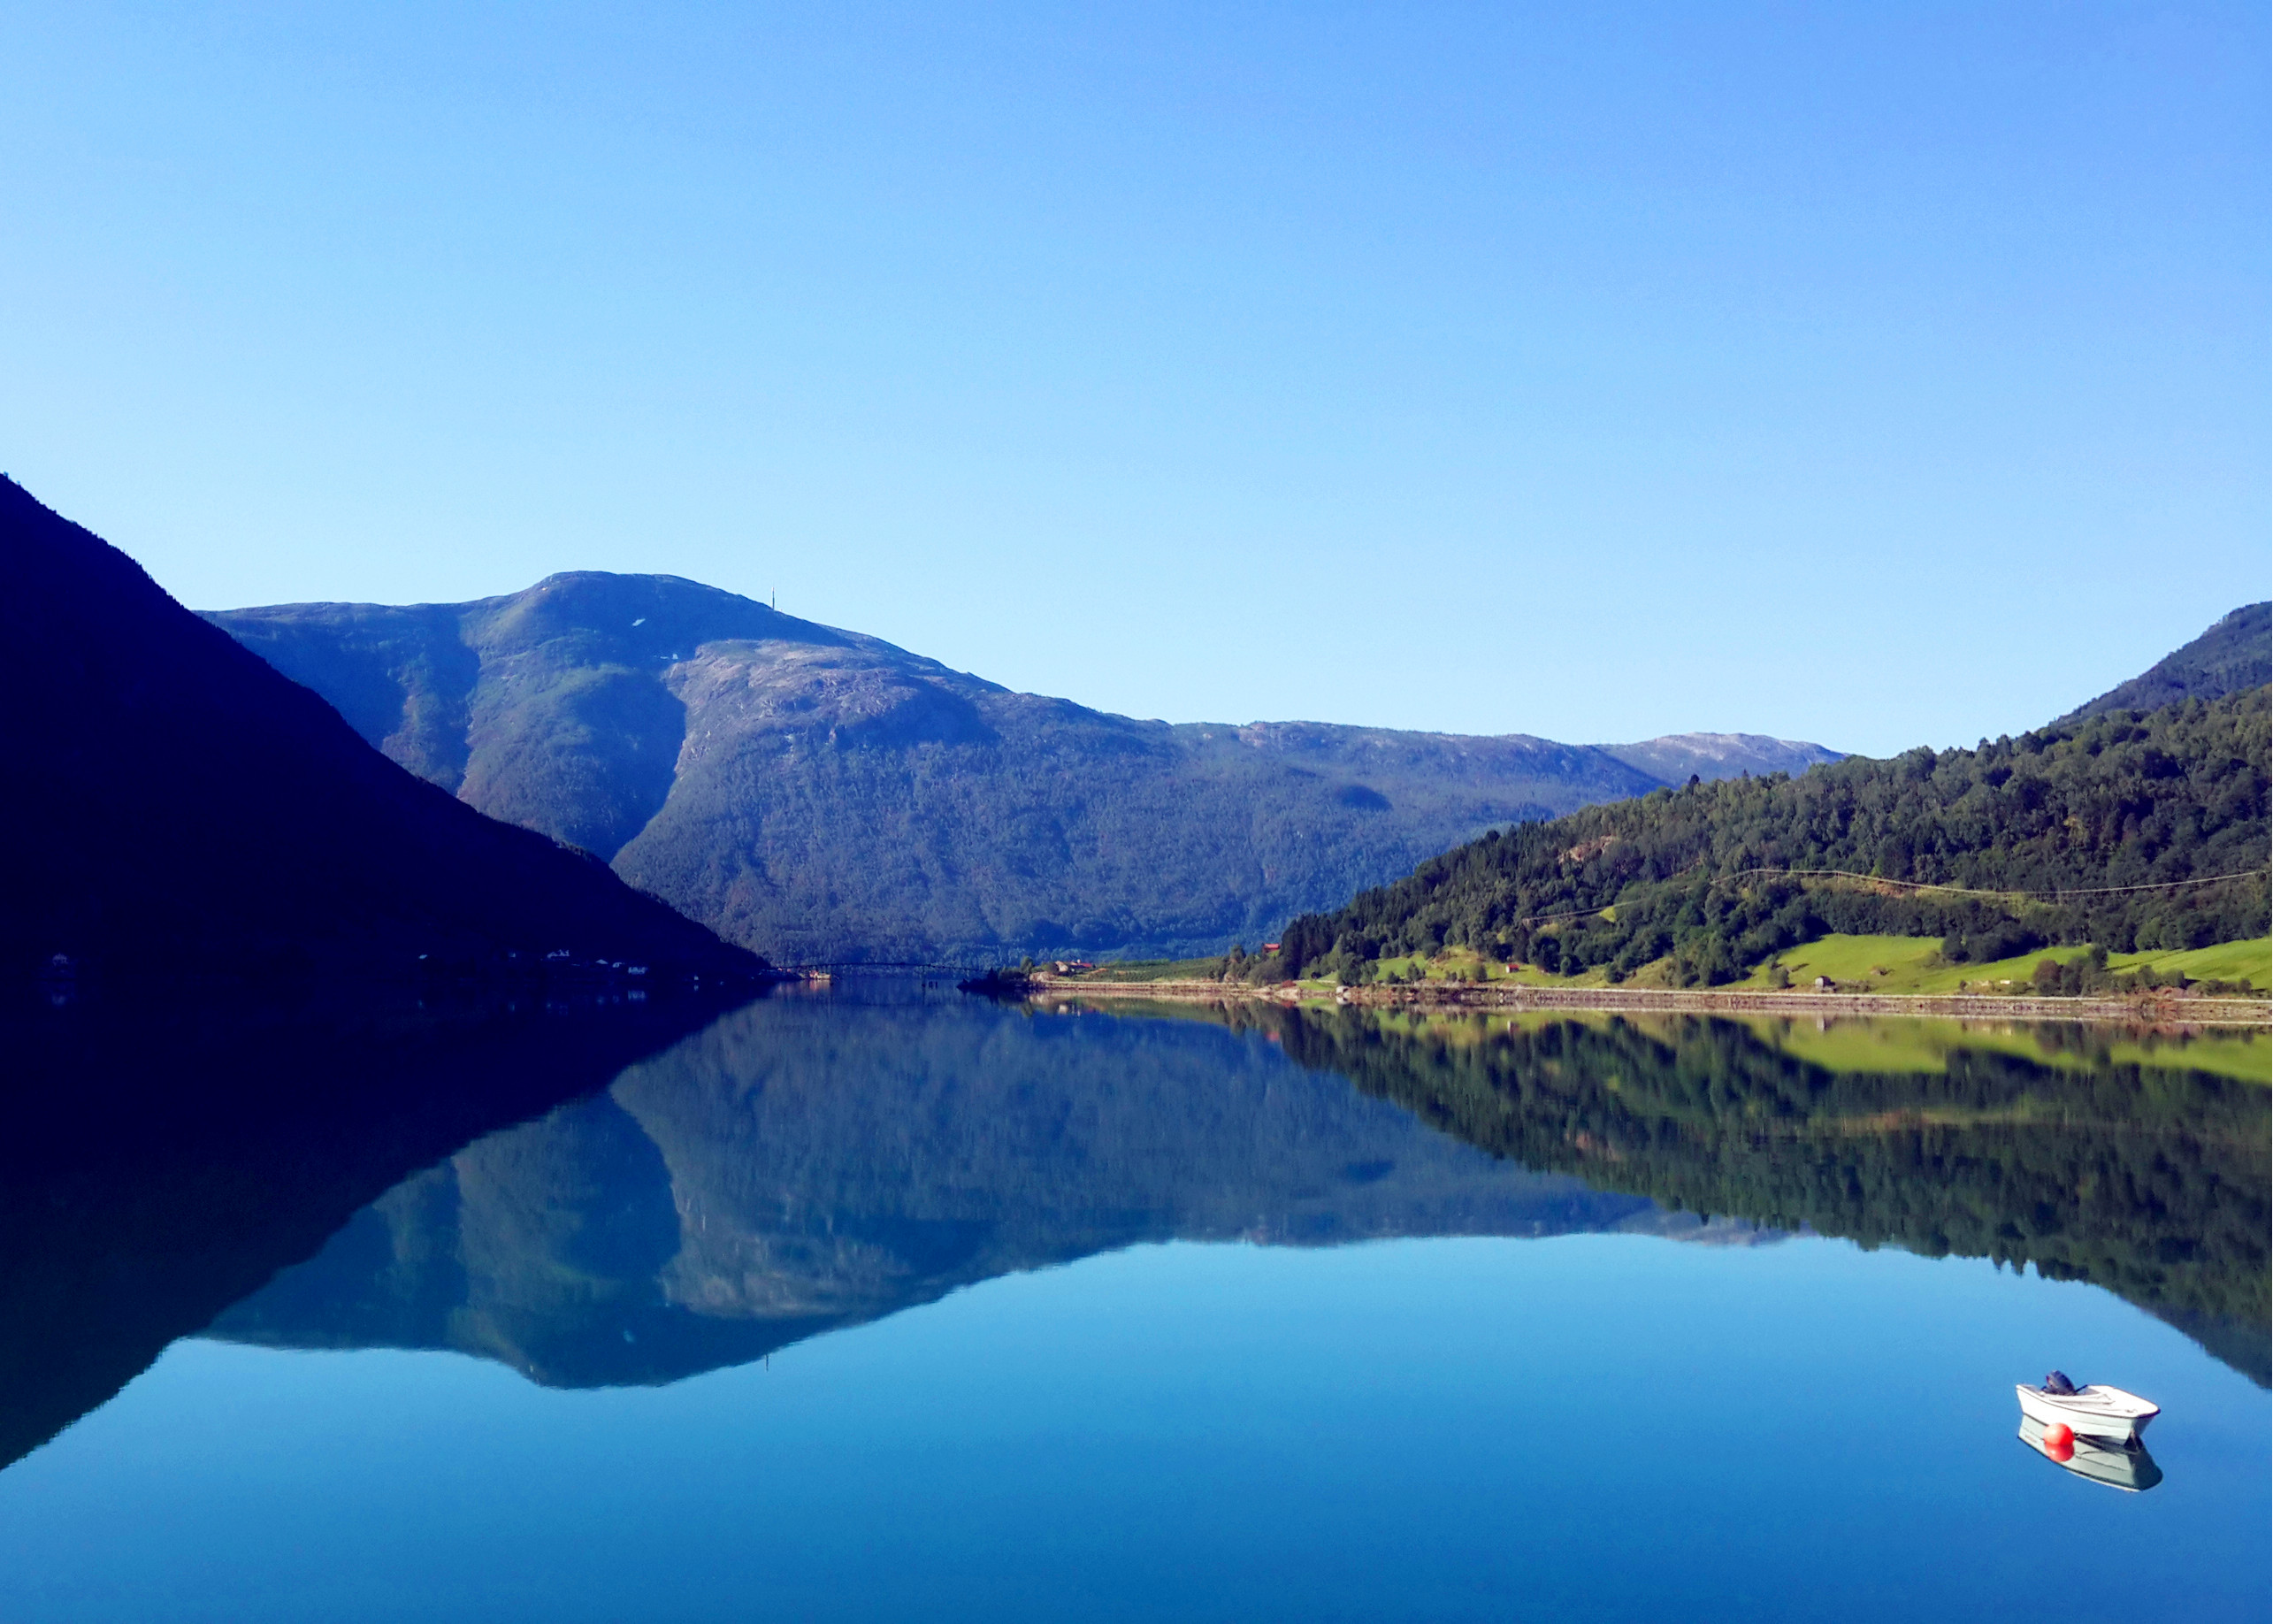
161 1161
807 1163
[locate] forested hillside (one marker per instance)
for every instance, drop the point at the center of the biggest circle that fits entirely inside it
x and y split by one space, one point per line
2236 653
2133 830
825 795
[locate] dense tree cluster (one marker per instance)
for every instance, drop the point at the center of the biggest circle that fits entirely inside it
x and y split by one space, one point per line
1718 877
2235 654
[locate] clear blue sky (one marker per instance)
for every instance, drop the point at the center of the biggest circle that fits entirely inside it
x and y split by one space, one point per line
1877 374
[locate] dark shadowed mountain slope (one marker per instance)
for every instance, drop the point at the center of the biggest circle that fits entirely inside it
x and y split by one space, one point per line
826 795
173 804
2235 654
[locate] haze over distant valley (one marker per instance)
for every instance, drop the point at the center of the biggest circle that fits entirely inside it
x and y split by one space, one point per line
826 796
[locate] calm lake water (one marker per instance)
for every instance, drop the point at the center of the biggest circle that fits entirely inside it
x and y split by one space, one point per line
896 1303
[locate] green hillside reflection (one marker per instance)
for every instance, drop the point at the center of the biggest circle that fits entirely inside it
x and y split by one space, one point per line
2137 1164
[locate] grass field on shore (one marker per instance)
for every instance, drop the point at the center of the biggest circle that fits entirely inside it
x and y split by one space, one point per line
1912 964
1891 964
1155 969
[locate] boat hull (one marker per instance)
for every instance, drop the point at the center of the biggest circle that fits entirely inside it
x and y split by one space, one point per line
2095 1413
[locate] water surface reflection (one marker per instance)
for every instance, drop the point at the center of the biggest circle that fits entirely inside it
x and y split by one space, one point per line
2136 1163
803 1165
1296 1427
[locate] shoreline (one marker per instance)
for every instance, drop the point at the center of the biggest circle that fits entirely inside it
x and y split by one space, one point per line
2151 1011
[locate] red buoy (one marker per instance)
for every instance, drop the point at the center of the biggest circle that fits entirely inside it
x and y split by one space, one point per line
2059 1441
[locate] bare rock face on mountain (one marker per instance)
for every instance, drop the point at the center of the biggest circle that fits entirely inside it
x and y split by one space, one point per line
1676 756
176 806
826 795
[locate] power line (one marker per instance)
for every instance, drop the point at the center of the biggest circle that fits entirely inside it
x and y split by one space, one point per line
1967 891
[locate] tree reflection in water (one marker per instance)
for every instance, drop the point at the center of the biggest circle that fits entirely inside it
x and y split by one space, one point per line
2084 1151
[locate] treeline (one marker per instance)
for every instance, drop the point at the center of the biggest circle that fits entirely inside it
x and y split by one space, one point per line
1714 877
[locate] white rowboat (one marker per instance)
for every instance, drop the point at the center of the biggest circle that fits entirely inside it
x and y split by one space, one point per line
2095 1412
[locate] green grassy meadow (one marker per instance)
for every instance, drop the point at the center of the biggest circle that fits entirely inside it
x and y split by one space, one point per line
1911 964
1919 1045
1155 969
1894 964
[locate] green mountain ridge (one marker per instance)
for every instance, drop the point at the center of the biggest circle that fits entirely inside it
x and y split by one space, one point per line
2236 653
2134 830
830 796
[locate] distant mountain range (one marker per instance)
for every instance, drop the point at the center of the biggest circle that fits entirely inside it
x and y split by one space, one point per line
174 805
823 795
